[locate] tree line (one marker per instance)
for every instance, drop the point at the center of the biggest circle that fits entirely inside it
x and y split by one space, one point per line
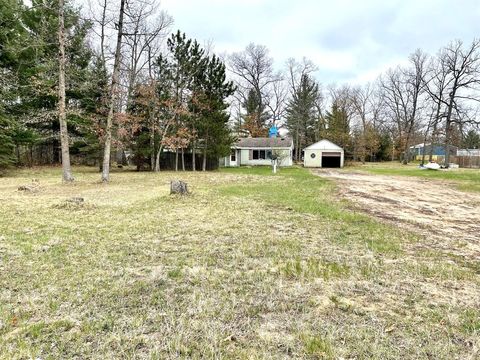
114 79
92 83
432 99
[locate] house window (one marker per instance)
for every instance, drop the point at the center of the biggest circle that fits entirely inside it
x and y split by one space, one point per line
269 154
233 156
259 155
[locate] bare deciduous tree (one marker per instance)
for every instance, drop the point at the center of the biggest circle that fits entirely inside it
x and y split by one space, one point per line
253 70
144 31
463 79
113 96
297 70
62 115
276 99
402 90
361 101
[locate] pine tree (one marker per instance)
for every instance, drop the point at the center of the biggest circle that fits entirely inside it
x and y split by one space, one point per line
213 128
472 140
12 34
6 144
255 119
302 116
28 59
338 126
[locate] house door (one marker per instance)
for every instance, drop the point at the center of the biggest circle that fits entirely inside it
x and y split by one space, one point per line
233 158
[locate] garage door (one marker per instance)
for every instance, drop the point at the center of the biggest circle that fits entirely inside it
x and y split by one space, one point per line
331 159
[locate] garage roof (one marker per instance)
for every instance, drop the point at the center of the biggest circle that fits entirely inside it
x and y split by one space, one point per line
264 142
324 145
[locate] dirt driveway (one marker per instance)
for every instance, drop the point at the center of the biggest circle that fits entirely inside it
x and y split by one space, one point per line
449 219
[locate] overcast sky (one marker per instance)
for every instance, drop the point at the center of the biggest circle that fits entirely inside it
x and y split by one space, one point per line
350 40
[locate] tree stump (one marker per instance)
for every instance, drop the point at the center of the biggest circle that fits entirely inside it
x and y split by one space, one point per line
178 187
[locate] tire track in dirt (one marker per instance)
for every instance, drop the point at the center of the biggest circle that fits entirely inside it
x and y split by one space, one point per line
448 218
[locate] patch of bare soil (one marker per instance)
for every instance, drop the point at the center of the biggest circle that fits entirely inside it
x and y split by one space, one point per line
448 218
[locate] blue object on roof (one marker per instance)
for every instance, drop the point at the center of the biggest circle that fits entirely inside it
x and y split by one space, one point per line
273 131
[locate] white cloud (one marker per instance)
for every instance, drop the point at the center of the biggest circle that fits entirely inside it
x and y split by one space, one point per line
349 40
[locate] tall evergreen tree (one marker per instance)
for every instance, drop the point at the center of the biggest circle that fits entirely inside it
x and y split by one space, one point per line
213 127
6 143
255 119
472 140
338 126
191 90
302 115
28 56
12 34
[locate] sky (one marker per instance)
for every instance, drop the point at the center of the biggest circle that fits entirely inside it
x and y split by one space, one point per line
351 41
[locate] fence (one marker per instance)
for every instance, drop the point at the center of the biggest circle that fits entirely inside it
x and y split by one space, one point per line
466 161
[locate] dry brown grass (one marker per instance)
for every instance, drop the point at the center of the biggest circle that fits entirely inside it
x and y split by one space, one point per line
249 266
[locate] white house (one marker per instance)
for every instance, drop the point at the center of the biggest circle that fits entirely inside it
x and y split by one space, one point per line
323 154
259 151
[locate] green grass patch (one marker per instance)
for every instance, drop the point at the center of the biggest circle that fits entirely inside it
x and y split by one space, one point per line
251 265
317 346
315 268
471 321
465 179
296 189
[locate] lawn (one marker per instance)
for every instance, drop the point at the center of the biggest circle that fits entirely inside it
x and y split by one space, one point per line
249 266
465 179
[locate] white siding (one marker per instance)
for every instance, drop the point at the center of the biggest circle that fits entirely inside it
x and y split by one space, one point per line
286 154
316 161
243 158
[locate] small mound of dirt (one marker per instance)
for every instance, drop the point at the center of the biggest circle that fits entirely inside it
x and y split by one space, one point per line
74 203
33 187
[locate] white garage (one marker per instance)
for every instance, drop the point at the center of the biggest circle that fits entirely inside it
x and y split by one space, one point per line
323 154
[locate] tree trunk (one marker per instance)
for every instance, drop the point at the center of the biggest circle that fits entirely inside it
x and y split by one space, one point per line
204 165
193 156
423 151
448 123
152 146
62 116
17 151
364 140
434 132
297 145
160 148
425 142
113 97
432 142
31 156
447 143
176 159
157 159
102 33
183 160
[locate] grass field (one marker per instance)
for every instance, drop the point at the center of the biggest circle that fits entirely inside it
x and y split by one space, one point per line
465 179
249 266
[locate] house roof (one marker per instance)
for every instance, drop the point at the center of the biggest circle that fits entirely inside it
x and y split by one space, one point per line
419 146
422 145
264 142
324 145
